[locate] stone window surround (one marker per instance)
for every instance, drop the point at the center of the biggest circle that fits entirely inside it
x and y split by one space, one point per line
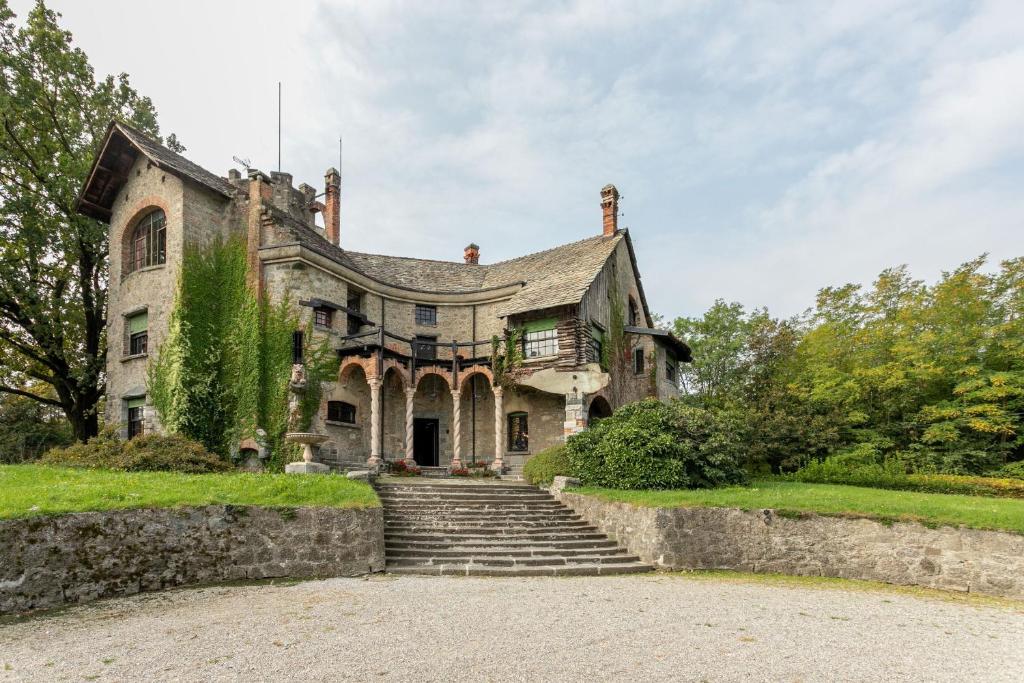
125 317
142 208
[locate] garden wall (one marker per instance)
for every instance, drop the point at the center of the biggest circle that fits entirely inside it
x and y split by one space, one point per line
988 562
57 560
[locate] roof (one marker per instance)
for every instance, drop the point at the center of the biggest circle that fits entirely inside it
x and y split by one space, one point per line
551 278
121 146
670 339
555 277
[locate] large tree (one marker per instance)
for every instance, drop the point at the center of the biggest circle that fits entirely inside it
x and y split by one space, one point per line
53 261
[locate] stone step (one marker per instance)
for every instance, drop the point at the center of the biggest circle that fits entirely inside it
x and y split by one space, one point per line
523 515
439 523
466 535
435 487
472 505
518 498
507 532
502 551
508 561
467 569
507 543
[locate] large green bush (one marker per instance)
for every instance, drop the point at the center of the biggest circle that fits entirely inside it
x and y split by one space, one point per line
147 453
541 469
652 445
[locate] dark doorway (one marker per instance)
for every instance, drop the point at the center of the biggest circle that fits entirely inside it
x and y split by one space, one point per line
599 409
424 441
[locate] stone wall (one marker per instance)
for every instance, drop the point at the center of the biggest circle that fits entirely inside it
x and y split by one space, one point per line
58 560
988 562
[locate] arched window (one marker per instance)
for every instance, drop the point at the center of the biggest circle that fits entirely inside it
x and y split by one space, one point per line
148 244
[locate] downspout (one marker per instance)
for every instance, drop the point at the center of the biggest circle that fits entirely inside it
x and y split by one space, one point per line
472 448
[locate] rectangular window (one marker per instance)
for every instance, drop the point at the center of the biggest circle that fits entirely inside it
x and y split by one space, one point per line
670 371
638 361
138 333
135 415
339 411
297 339
426 315
597 345
322 317
518 432
540 338
426 348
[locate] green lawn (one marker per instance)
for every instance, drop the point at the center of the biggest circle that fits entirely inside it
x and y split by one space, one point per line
27 490
832 499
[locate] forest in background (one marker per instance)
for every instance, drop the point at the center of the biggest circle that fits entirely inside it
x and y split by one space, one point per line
913 377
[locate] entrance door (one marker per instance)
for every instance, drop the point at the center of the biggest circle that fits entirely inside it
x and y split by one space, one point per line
424 441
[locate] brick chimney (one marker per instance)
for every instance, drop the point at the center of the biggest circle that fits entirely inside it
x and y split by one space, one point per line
610 207
472 254
332 206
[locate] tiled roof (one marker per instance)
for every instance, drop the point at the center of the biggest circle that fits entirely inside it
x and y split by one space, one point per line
550 278
173 161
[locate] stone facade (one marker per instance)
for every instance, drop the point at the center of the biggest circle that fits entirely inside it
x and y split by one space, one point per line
68 559
958 559
570 288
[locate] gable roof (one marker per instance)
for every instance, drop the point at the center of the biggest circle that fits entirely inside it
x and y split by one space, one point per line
121 146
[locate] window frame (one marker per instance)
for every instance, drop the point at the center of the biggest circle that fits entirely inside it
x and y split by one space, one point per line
298 341
147 243
639 362
425 341
671 371
323 316
540 339
425 315
344 409
135 413
136 342
522 443
354 302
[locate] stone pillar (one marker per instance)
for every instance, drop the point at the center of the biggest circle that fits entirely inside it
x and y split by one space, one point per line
499 430
410 394
575 416
456 462
375 421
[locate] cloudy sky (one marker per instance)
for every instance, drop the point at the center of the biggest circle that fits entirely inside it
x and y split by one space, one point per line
763 149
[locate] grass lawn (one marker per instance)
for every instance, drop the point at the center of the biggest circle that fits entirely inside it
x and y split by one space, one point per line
27 490
832 499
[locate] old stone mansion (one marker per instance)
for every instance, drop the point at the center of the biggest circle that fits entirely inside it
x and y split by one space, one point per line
413 335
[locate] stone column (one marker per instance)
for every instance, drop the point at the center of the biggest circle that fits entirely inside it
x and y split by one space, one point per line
410 394
375 421
499 430
456 462
575 416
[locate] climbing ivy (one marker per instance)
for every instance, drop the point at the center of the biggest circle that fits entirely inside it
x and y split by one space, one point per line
222 373
507 358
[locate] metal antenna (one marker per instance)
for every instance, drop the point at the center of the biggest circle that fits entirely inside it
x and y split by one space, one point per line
279 126
243 162
340 148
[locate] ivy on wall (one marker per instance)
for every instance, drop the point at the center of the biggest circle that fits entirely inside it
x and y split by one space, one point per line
507 358
222 373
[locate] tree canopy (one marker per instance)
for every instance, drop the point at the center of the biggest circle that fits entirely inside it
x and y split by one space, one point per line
931 375
53 261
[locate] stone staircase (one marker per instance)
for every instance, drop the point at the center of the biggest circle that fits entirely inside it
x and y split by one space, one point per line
491 529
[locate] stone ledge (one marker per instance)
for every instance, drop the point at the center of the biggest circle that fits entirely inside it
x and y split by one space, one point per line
49 561
905 553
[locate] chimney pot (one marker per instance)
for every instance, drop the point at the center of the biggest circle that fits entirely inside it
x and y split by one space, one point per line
472 254
610 209
332 205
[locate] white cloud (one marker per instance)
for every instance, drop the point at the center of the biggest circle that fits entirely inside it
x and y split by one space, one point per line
763 149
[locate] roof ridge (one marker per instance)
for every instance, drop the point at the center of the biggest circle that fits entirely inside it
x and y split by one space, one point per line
618 233
414 258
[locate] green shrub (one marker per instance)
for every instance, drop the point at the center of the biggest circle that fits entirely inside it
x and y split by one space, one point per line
652 445
892 474
1011 470
541 469
150 452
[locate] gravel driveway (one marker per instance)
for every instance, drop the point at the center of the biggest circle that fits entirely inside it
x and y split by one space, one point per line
649 627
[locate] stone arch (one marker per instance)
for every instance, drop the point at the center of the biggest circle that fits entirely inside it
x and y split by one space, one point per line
352 441
477 370
392 407
599 409
143 208
349 365
427 372
433 401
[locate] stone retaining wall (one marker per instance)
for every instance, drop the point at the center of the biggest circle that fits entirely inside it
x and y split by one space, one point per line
989 562
57 560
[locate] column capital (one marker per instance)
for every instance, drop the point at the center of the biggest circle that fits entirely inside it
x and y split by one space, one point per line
456 394
374 381
498 390
410 392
